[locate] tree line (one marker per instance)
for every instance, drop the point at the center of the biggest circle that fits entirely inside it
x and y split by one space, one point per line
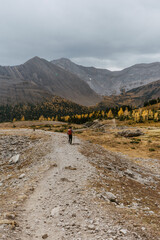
151 102
53 109
122 113
59 109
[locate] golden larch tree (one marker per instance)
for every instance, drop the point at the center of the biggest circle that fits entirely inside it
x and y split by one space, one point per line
110 114
120 113
23 118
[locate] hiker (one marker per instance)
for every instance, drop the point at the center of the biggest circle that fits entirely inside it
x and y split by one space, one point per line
70 132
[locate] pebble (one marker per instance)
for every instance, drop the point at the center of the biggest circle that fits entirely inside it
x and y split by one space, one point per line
91 227
22 175
55 212
14 159
9 216
124 231
45 236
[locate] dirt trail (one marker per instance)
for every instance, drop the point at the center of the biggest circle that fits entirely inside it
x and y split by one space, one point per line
57 201
64 206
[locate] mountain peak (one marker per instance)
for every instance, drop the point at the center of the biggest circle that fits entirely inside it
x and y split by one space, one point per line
64 59
36 59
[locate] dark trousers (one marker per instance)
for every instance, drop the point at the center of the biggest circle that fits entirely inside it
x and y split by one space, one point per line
70 139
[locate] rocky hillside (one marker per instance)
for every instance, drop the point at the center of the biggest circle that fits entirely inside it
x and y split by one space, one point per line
97 79
106 82
149 91
38 79
134 97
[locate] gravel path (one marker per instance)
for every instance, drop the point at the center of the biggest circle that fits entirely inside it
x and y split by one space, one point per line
57 208
63 205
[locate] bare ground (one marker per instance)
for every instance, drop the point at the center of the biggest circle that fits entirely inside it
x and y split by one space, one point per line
79 191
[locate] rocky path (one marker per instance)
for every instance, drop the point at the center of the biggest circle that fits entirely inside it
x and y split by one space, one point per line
64 206
57 208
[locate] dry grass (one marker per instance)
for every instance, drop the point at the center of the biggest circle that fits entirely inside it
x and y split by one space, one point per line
29 124
145 146
143 153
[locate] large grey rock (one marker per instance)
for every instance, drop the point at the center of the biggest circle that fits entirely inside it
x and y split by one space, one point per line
129 133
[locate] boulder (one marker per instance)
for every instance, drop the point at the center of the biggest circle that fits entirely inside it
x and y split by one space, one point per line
129 133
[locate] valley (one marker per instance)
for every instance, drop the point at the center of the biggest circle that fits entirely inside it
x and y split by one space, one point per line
106 185
80 120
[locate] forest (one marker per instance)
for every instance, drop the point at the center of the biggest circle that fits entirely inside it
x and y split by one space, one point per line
59 109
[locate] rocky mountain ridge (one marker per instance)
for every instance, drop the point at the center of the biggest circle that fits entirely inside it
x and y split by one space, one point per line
38 79
106 82
135 97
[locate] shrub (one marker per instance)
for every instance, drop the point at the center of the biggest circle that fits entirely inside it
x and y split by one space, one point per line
134 141
151 149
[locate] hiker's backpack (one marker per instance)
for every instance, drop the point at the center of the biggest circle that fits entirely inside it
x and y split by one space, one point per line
69 132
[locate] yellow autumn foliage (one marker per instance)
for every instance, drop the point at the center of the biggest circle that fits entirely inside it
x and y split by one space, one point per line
110 114
120 113
22 119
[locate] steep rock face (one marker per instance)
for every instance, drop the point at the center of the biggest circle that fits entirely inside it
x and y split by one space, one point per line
106 82
38 79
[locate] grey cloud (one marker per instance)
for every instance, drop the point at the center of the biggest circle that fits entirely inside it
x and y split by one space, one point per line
103 33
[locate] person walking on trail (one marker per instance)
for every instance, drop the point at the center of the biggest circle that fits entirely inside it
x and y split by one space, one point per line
70 132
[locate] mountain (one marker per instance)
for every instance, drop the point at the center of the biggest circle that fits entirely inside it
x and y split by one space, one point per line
145 93
38 79
97 79
106 82
134 97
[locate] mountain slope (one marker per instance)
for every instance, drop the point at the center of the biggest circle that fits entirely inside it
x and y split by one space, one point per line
38 79
106 82
97 79
134 97
145 93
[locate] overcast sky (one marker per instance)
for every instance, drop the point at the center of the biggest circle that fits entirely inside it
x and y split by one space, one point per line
111 34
